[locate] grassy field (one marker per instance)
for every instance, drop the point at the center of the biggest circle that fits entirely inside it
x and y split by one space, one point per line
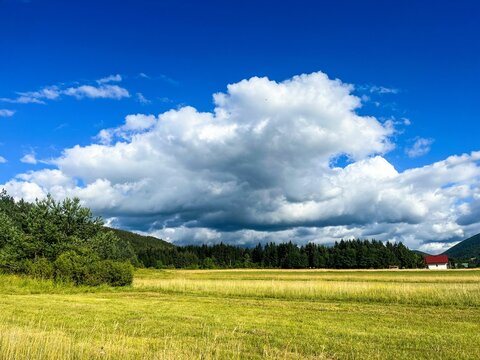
246 314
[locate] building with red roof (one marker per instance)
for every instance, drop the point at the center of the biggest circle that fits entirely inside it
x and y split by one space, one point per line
437 262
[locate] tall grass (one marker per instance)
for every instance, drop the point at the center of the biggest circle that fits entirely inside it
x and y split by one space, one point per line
250 314
417 291
37 341
402 276
22 284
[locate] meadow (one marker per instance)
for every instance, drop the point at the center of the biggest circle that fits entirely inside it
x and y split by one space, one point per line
246 314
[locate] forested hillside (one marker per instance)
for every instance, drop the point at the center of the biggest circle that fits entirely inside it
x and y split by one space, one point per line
139 242
466 250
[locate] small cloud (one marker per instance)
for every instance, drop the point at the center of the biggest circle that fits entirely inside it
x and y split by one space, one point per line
169 80
365 98
22 100
29 159
49 93
420 147
6 113
142 99
61 126
104 92
2 160
383 90
162 77
407 122
111 78
380 90
35 97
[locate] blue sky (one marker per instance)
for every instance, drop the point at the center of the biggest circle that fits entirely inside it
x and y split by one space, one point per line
414 65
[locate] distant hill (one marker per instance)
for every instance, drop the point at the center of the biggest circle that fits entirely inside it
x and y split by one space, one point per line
466 249
420 253
141 242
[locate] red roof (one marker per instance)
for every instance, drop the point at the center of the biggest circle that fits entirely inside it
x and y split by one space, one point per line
436 259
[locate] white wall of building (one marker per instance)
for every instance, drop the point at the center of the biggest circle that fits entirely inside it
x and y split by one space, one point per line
437 266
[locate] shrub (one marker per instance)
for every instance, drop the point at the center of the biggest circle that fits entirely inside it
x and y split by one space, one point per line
39 268
109 272
121 273
71 267
89 270
9 266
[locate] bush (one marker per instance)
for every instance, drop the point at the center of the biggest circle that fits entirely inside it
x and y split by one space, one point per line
71 267
14 266
89 270
109 272
121 273
39 268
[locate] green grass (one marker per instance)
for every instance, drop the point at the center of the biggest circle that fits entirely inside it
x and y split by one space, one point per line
246 314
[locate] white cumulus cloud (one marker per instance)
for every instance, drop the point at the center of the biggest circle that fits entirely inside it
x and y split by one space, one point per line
259 167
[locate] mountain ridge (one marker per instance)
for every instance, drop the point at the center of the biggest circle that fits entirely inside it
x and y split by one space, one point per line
466 249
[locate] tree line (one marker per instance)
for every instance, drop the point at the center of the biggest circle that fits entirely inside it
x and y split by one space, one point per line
345 254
